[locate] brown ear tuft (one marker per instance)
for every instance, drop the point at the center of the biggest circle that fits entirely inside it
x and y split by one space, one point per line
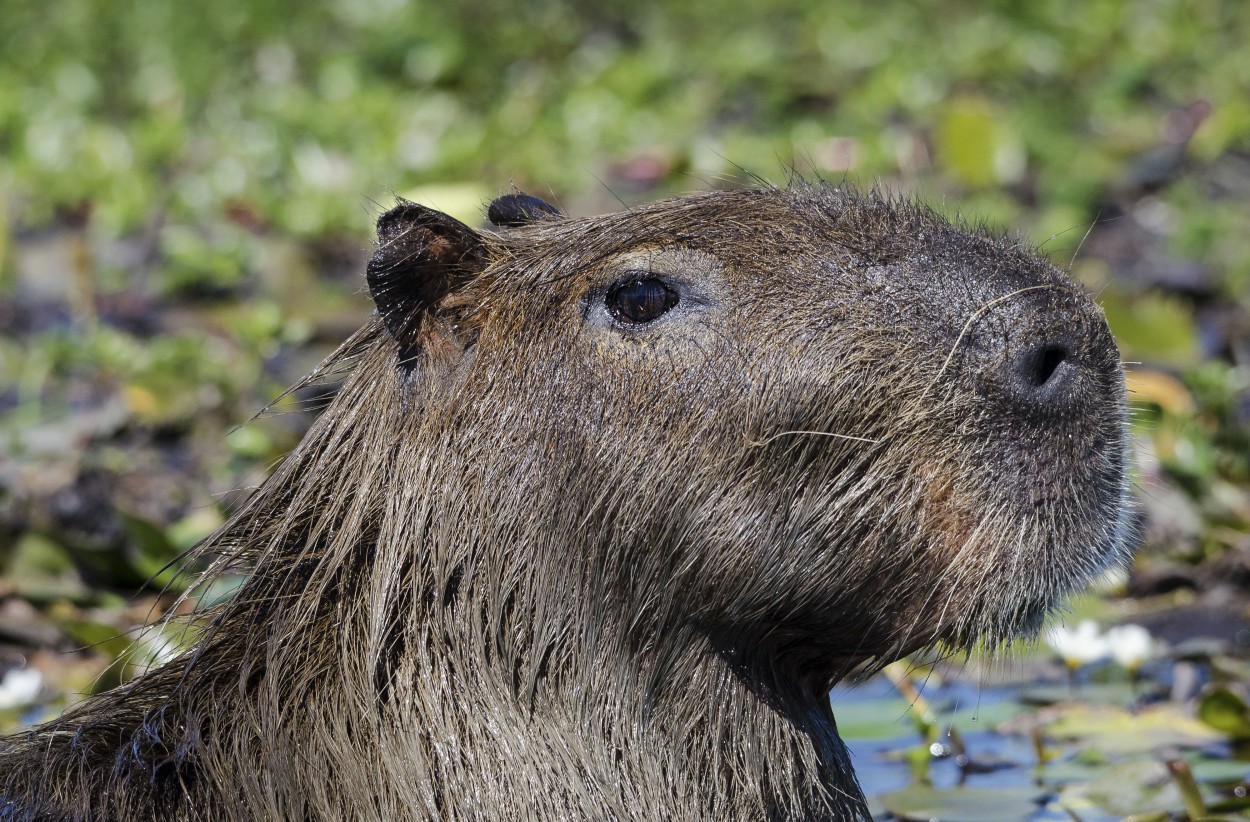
422 256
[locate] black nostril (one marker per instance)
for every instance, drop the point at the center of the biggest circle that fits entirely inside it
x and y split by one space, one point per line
1045 364
1042 373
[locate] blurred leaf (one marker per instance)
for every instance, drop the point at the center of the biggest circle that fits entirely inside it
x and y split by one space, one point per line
97 636
1068 771
38 556
975 144
142 402
1100 693
1159 388
192 528
1135 787
1225 711
1220 771
1117 731
928 804
42 570
152 552
250 440
464 201
1152 328
875 719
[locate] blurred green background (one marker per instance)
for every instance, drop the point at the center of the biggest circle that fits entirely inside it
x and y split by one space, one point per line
187 194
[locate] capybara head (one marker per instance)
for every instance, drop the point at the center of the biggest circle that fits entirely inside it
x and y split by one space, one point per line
820 427
605 506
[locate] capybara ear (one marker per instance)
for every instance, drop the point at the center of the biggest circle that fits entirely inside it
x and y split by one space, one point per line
422 256
512 210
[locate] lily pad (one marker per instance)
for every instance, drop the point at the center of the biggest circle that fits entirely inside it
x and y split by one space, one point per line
875 718
1118 732
923 802
1226 711
1109 693
1220 771
1134 787
1068 771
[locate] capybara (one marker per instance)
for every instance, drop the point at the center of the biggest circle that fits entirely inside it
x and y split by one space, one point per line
605 506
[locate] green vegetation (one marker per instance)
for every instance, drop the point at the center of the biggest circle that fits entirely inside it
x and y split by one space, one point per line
187 192
297 115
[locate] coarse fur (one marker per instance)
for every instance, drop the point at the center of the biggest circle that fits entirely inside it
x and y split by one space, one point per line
537 562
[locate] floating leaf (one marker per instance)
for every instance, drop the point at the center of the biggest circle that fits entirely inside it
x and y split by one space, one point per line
1220 771
1226 711
1134 787
1068 771
875 718
1117 731
1108 693
923 802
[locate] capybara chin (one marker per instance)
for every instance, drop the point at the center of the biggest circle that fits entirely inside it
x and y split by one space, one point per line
605 506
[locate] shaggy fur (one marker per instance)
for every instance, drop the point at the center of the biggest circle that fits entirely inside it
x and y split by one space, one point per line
535 563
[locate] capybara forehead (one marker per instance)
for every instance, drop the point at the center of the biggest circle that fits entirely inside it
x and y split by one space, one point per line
763 228
804 245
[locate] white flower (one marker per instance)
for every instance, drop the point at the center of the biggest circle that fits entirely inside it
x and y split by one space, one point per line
19 687
1080 647
1131 645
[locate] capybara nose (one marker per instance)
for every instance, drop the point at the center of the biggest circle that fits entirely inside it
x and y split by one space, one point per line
1049 356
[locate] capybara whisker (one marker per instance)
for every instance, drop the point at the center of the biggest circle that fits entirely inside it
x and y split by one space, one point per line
781 434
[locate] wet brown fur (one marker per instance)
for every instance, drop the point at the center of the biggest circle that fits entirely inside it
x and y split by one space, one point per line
533 565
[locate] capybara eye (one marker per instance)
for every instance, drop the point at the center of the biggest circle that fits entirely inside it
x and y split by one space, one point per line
640 300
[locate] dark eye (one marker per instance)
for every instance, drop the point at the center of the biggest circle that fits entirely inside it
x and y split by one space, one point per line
639 300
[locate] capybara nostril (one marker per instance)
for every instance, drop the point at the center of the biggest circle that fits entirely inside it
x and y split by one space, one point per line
1043 372
1043 367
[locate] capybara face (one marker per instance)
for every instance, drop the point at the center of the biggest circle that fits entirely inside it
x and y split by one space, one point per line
825 428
